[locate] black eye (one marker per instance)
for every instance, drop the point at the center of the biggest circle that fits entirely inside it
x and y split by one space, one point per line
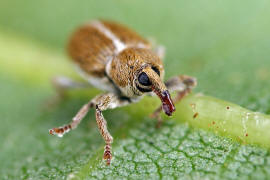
143 79
156 70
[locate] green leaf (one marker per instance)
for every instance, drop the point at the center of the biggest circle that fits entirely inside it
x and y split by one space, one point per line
221 43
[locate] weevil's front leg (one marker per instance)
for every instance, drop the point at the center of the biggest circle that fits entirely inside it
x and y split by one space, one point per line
60 131
182 85
103 102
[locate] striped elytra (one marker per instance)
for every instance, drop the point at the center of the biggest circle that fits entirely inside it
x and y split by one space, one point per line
109 55
90 46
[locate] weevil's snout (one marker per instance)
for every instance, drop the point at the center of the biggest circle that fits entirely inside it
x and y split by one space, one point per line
149 80
159 88
166 100
167 103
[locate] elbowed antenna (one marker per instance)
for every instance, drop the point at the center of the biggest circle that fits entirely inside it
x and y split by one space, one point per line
161 91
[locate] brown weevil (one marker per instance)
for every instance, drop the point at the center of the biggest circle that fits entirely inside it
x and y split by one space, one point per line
115 59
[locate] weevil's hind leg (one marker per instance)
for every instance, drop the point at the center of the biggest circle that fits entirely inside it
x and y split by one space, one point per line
103 102
60 131
183 85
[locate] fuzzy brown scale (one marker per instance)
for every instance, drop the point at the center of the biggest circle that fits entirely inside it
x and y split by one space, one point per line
126 66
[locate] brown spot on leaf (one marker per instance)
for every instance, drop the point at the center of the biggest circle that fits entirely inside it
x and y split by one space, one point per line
195 115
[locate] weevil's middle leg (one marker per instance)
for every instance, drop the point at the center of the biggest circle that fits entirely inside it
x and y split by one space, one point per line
61 84
182 85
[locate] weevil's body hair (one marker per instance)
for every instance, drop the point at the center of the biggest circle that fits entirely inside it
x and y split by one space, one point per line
97 62
126 66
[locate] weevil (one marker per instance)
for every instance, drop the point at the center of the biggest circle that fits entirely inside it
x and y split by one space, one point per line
117 60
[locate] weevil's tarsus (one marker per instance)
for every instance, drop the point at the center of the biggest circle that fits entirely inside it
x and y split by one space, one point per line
60 131
107 155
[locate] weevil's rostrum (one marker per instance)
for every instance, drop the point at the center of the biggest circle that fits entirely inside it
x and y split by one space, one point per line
115 59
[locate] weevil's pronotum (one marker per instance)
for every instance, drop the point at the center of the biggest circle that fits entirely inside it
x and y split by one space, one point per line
117 60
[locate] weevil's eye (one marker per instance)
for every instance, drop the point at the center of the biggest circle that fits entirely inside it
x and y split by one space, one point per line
143 79
156 70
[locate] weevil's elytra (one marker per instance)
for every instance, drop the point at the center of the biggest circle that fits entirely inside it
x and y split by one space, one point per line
126 66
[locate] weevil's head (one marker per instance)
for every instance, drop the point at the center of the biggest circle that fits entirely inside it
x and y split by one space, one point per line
137 71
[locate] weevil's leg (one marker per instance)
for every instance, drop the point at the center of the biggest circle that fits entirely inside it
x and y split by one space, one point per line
160 51
103 102
183 85
61 84
60 131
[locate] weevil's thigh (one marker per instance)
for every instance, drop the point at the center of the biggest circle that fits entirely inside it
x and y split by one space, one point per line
109 101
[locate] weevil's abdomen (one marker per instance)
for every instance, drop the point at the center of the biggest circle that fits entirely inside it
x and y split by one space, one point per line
95 43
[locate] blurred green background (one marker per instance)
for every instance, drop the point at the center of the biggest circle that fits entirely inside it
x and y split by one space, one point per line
225 44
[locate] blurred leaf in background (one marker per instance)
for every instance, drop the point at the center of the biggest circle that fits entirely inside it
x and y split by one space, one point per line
224 44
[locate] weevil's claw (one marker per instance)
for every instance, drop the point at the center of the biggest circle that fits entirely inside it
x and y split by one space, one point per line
60 131
107 156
